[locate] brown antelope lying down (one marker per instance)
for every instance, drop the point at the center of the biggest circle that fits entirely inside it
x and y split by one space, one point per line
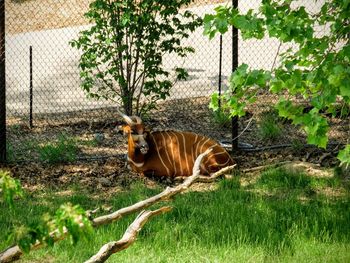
170 153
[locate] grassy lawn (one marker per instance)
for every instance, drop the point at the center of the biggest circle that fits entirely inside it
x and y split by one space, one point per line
280 217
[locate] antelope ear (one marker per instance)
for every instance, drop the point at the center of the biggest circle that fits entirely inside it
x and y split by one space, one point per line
122 129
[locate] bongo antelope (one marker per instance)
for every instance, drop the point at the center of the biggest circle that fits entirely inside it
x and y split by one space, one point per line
170 153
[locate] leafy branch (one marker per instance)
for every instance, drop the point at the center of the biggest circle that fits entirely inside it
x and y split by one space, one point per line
68 220
316 69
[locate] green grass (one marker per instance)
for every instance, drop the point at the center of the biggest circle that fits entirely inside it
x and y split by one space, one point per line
269 126
9 152
20 149
60 149
63 150
282 217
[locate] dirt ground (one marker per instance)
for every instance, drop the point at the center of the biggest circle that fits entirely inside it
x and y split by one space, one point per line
112 174
103 165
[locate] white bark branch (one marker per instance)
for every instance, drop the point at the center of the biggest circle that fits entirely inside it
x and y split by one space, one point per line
163 196
128 238
130 235
209 179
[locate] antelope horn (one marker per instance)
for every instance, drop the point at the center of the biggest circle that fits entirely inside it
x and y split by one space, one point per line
137 119
125 117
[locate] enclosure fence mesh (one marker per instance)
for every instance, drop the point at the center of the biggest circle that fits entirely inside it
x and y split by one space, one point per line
46 107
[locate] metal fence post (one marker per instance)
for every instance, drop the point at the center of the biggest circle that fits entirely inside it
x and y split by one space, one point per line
31 87
2 85
234 120
220 71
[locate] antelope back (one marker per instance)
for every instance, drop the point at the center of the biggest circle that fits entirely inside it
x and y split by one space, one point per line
173 153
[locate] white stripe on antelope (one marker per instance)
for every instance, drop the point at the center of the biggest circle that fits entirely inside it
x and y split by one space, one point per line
170 153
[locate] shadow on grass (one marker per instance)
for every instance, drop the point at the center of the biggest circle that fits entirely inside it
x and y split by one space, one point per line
279 207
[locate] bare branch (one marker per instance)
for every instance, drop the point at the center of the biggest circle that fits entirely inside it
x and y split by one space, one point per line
163 196
277 53
209 179
128 238
130 235
246 127
10 254
263 167
135 65
13 253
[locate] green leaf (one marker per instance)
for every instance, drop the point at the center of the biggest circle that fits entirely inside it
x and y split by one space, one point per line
221 24
319 140
344 155
208 18
182 74
70 217
345 90
241 22
276 85
214 102
11 188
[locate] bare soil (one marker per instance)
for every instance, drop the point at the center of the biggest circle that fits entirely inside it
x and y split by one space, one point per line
103 166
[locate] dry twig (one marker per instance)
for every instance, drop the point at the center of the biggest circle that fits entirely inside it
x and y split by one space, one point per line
263 167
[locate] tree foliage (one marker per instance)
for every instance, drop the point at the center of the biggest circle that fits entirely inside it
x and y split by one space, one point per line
316 69
68 219
9 188
122 52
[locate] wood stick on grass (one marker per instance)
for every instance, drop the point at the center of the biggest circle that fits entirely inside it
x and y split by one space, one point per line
130 235
263 167
209 179
128 238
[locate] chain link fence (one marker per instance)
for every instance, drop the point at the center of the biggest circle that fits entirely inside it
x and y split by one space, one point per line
46 106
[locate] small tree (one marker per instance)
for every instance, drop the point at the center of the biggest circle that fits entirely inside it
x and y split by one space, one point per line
317 69
123 50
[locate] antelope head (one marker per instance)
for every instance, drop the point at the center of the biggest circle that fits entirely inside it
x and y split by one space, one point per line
136 132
